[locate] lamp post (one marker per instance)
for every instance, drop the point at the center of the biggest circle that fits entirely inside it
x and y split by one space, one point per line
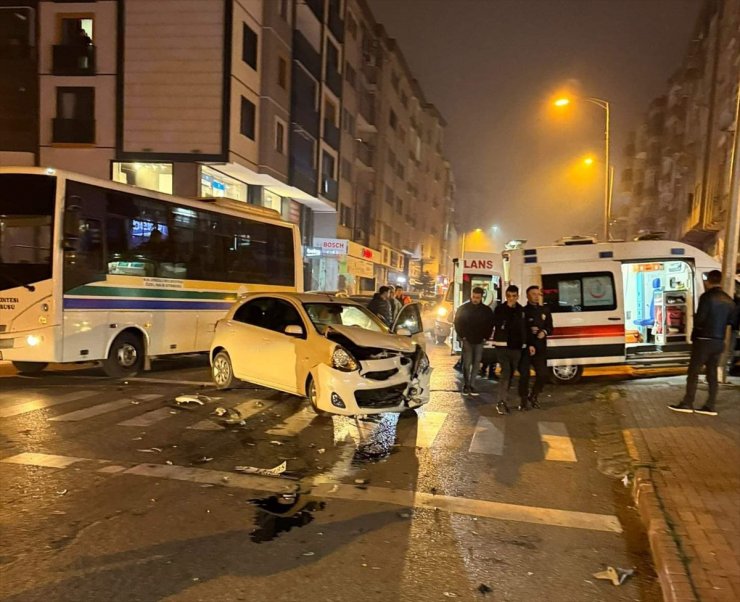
604 104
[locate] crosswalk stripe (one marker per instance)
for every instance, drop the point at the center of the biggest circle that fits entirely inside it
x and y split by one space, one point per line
294 423
487 438
90 412
246 409
45 460
556 443
148 396
42 403
428 426
148 418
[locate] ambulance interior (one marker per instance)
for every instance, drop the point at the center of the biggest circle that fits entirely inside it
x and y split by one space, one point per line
490 283
658 303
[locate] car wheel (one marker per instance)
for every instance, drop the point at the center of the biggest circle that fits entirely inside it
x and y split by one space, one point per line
126 356
312 395
566 375
439 339
30 367
222 371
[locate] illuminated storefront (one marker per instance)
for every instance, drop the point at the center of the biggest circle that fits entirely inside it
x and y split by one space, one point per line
152 176
342 265
216 184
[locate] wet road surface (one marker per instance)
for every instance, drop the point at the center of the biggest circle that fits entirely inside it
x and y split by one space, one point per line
113 492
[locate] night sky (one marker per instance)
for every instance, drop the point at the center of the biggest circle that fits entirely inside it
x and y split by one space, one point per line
493 67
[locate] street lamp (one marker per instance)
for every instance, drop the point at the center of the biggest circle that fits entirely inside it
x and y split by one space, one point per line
588 161
604 104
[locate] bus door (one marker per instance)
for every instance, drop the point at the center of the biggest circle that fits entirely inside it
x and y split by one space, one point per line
587 304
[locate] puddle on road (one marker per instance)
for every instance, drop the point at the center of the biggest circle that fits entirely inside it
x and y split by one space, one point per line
278 514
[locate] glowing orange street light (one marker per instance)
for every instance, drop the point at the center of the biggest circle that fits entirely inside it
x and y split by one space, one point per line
562 102
588 161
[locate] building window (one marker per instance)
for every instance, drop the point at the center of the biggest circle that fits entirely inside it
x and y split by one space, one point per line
284 9
248 115
348 122
392 159
399 204
395 80
280 135
214 184
249 47
351 25
579 292
389 195
392 119
332 58
404 99
350 75
75 119
282 73
152 176
346 170
387 235
328 165
345 215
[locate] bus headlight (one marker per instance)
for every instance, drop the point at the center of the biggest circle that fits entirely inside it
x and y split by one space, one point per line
34 340
442 312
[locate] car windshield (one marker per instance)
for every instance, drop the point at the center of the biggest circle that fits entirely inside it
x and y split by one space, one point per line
324 315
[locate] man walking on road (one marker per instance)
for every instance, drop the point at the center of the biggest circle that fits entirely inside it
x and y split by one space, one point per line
473 324
509 337
539 327
714 314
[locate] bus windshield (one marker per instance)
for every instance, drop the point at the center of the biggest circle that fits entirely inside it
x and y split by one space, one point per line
26 228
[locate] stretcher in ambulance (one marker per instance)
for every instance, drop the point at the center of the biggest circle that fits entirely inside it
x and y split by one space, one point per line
614 303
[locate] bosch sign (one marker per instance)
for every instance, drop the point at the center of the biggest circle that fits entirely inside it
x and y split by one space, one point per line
332 246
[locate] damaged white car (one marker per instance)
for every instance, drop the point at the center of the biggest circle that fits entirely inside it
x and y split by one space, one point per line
329 349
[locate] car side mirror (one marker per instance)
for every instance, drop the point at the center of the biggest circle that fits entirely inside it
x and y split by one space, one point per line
294 330
403 332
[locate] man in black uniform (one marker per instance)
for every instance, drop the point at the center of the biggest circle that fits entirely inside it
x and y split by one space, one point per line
473 324
539 327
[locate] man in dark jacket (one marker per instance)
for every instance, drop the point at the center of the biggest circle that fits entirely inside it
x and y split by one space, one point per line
380 305
473 325
539 327
714 314
509 338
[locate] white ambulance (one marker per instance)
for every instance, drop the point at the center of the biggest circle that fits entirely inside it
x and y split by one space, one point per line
613 303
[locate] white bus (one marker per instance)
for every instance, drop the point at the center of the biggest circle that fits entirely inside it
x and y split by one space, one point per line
92 270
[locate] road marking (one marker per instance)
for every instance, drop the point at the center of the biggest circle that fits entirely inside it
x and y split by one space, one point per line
92 411
294 423
556 443
164 381
487 438
247 409
398 497
629 441
42 403
148 418
148 396
427 428
46 460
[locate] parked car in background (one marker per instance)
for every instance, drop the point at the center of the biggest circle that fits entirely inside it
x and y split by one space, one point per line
331 350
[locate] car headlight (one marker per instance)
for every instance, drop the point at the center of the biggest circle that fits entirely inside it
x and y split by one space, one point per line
343 360
442 312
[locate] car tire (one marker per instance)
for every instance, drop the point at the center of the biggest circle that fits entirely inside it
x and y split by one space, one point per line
439 339
311 395
565 375
222 371
125 357
29 368
408 414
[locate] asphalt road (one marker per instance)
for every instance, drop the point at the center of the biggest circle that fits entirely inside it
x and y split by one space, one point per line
110 493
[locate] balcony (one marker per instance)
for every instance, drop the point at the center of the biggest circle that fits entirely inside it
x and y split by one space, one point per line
76 131
370 73
334 81
307 118
330 189
336 25
317 8
331 134
366 116
365 154
303 176
73 60
305 54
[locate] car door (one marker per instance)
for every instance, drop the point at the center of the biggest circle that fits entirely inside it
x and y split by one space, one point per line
587 304
247 331
410 318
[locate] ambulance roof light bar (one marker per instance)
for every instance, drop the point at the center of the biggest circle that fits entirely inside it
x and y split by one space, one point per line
517 243
576 240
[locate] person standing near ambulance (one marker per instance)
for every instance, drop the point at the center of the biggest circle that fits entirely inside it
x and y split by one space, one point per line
509 339
539 327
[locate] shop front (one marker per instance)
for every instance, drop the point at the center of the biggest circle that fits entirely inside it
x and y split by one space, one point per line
342 265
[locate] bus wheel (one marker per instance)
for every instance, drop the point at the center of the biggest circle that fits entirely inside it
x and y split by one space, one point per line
221 371
126 356
30 367
566 375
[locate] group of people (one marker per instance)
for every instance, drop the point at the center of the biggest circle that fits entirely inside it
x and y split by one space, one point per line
388 302
519 334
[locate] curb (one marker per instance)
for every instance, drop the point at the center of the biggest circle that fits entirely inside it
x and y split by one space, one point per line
670 564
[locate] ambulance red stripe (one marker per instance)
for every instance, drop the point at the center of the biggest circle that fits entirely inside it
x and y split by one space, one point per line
588 332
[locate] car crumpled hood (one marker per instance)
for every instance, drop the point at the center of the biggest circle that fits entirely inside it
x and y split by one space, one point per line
368 338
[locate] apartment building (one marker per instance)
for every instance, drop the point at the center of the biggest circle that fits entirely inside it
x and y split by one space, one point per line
679 160
303 106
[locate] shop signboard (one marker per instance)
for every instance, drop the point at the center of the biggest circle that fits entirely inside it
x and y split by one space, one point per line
332 246
359 268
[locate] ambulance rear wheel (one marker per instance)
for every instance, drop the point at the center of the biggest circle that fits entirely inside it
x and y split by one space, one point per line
566 375
30 367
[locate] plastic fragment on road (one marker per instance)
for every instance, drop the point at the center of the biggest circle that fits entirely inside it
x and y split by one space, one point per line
202 460
309 553
62 492
168 462
276 443
321 451
229 416
450 595
626 480
151 450
361 481
183 400
484 589
616 575
265 472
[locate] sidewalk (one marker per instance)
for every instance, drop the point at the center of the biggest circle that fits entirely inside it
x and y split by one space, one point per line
687 487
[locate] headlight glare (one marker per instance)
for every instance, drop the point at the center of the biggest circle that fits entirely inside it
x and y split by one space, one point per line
442 312
33 340
343 360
